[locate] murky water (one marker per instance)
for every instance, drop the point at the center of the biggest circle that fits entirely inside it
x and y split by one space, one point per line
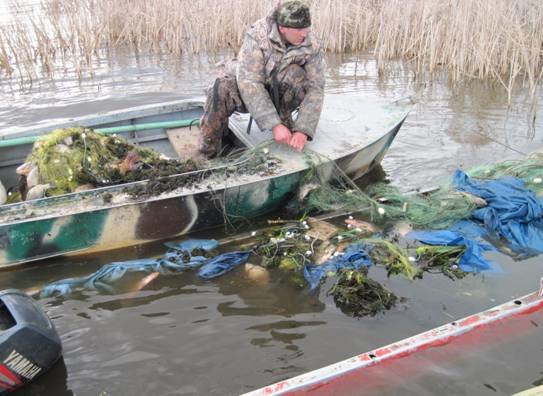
185 336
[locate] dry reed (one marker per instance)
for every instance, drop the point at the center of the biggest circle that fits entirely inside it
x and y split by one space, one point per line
496 39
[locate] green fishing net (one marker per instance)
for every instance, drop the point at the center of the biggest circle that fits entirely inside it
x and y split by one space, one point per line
529 169
71 157
67 159
357 295
386 204
438 209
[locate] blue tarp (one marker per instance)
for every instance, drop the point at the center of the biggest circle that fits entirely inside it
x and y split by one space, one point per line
472 260
171 262
354 257
513 212
222 264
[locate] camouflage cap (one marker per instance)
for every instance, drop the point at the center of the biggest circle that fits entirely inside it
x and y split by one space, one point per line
293 14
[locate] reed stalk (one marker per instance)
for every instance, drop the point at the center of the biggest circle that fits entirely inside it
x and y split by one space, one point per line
500 40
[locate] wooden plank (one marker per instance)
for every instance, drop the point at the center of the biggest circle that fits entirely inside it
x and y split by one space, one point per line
185 141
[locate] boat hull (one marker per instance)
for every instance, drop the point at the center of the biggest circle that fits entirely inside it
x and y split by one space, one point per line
105 227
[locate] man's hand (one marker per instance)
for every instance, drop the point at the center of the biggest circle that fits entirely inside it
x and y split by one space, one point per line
281 134
298 141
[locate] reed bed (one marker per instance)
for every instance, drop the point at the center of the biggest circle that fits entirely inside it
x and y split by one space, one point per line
484 39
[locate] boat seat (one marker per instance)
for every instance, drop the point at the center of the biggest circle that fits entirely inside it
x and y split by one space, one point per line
238 124
185 141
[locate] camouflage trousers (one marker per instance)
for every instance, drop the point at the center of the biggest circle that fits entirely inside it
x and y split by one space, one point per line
223 99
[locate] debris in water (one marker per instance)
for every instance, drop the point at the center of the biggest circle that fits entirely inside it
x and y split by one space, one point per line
402 228
305 190
442 259
146 280
357 295
129 163
363 225
319 229
392 257
257 274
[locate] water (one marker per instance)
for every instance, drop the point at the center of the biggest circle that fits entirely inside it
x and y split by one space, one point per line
185 336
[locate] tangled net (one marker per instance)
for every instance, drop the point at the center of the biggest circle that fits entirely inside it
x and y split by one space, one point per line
357 295
441 259
529 170
68 159
437 209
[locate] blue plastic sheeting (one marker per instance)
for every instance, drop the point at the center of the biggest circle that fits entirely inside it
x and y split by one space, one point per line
172 262
102 279
222 264
469 229
354 257
513 212
472 260
191 244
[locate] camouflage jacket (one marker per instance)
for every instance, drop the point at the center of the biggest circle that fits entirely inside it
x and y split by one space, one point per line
261 52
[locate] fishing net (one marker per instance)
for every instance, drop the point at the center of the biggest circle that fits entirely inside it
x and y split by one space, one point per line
439 208
441 259
288 248
72 159
237 163
385 203
69 158
357 295
529 170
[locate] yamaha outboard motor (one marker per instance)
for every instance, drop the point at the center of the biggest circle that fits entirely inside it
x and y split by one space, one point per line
29 343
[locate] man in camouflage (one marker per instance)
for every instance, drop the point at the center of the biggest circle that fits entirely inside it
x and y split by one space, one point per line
280 68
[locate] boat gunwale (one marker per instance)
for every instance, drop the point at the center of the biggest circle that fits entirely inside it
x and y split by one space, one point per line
27 205
167 107
110 116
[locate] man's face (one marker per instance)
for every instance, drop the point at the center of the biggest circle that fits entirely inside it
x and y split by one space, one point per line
294 36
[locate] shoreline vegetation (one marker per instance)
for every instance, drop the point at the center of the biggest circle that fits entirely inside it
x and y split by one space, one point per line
497 40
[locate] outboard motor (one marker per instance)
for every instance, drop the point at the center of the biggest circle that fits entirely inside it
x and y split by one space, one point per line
29 343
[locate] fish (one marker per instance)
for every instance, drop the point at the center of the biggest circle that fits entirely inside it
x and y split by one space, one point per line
129 163
38 191
84 187
68 141
257 274
3 194
33 291
402 228
24 169
145 281
306 189
62 148
33 177
324 252
477 201
320 229
362 225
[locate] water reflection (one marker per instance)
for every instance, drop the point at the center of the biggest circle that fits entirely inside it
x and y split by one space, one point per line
54 382
181 335
278 298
